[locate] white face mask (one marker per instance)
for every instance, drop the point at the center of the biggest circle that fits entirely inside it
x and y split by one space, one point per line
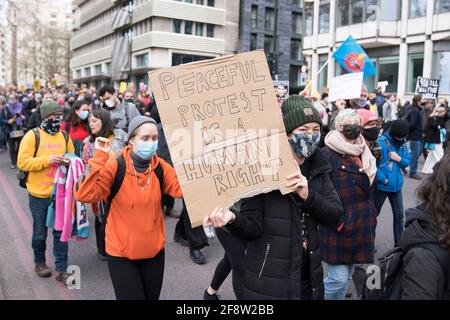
110 103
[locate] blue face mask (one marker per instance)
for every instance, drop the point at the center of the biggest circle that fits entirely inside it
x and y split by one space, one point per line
304 144
84 115
146 150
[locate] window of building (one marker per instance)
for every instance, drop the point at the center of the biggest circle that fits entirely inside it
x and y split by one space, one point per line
356 11
210 3
270 19
415 69
296 23
343 13
294 76
417 8
188 27
200 2
143 78
390 10
79 73
188 1
108 68
98 69
254 17
442 6
178 58
199 29
442 61
324 19
309 16
297 3
177 26
296 49
87 72
388 71
253 41
142 60
210 30
323 76
268 45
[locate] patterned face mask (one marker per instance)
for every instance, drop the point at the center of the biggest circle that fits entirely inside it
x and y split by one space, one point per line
304 144
52 126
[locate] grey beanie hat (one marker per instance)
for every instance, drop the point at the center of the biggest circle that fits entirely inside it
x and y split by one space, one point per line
138 121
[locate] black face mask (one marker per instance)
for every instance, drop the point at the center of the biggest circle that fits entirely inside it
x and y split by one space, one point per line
397 143
351 131
371 134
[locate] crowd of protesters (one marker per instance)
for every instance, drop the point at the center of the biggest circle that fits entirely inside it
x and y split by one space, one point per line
351 156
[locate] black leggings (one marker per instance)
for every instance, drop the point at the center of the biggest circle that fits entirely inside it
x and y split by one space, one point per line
137 279
233 260
100 236
14 149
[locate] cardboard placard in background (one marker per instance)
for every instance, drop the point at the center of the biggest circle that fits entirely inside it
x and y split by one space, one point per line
427 88
347 86
225 134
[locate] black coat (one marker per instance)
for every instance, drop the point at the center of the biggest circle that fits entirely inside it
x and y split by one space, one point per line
433 129
415 120
423 275
275 266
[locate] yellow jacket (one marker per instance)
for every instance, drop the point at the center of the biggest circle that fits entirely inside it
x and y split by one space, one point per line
41 173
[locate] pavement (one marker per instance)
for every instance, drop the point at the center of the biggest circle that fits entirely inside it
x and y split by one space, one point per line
183 280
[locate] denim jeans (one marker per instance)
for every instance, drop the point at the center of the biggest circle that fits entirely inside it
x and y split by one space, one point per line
38 208
337 280
396 201
416 150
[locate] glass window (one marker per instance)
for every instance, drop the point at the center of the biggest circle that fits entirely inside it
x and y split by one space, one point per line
142 60
296 23
268 45
87 71
309 21
188 27
253 41
442 62
211 3
177 26
210 30
323 76
79 73
344 13
254 17
201 2
270 19
297 3
199 29
294 75
443 6
388 71
389 10
296 49
188 1
417 8
324 19
357 11
178 58
98 69
415 69
108 68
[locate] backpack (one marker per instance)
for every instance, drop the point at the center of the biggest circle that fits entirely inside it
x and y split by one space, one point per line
391 271
22 176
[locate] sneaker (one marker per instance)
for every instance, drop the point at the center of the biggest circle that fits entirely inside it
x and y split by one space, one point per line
207 296
170 212
180 240
101 256
349 294
62 277
42 270
13 166
197 257
416 177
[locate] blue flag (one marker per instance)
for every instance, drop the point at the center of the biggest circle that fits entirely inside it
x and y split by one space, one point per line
353 58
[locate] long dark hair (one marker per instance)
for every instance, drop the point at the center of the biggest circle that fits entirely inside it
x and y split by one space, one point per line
107 124
435 192
73 118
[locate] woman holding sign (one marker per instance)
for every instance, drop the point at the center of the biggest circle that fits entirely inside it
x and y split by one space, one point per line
283 259
132 185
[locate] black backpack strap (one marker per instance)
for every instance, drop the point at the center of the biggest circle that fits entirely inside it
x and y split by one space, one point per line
66 137
68 126
118 179
37 140
160 174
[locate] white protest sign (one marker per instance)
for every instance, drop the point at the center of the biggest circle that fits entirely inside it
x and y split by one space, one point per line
427 88
383 85
347 86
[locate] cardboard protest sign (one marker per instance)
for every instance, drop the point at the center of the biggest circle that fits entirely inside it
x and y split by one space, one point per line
37 85
427 88
225 134
347 86
281 91
122 87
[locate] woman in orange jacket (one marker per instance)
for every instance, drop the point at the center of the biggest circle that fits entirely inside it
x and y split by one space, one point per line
135 231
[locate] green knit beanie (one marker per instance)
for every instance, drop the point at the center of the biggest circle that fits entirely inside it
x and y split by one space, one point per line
49 107
297 111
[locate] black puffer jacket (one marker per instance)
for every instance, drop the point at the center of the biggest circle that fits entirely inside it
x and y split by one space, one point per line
275 259
424 278
433 129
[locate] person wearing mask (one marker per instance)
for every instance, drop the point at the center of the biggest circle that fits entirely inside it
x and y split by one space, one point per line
394 156
373 104
121 114
353 171
3 124
135 230
283 258
415 120
380 99
361 102
428 224
76 123
390 112
101 125
16 127
435 136
371 131
41 167
31 104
